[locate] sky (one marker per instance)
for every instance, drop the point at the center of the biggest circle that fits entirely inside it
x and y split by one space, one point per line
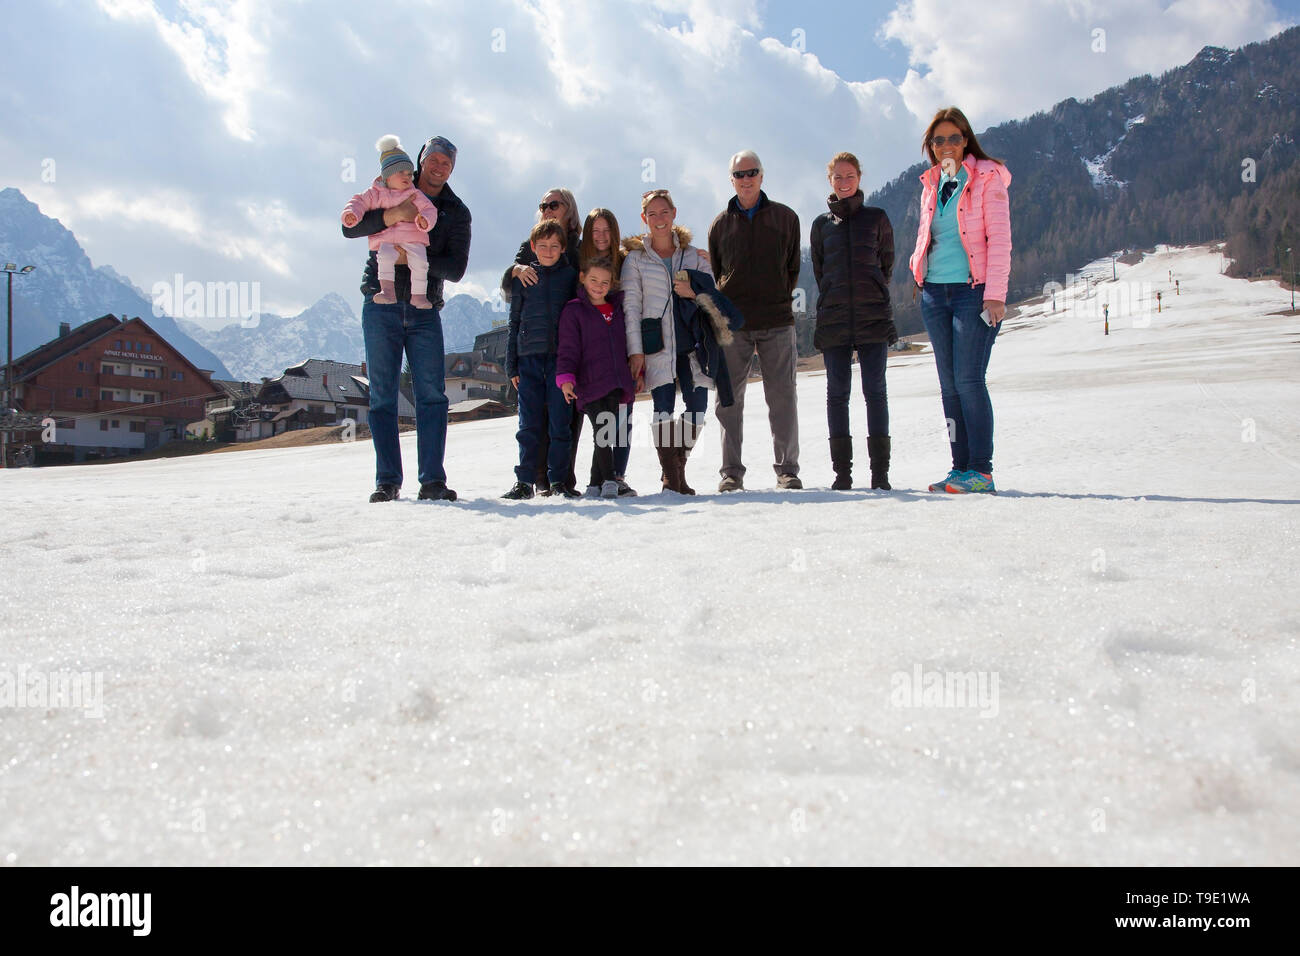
216 139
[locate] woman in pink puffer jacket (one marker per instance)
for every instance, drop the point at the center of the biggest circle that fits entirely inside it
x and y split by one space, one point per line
961 264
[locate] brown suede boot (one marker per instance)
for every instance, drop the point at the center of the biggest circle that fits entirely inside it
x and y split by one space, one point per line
387 293
664 433
690 433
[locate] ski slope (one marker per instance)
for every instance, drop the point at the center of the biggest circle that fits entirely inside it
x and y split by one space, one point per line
292 675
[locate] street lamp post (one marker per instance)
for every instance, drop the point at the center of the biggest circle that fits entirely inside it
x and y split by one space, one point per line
1291 256
10 269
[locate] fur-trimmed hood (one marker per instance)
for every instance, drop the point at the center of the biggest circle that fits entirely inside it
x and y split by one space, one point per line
681 239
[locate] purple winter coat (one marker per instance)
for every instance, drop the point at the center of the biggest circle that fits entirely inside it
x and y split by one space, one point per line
592 353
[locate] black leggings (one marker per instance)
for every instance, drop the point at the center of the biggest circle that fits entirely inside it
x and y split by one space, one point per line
607 432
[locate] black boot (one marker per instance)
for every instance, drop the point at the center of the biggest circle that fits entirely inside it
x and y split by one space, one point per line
384 493
878 451
842 462
436 491
521 491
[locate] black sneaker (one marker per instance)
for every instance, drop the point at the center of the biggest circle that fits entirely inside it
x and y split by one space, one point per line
520 492
436 491
384 493
559 488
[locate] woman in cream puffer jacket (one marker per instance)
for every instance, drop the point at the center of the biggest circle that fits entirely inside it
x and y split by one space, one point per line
647 294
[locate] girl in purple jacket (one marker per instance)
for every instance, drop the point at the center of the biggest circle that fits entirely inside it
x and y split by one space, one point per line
591 364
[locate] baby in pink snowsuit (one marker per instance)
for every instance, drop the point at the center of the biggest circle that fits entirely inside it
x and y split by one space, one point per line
393 185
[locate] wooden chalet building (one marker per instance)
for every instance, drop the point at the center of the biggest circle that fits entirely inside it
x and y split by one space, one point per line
318 392
114 387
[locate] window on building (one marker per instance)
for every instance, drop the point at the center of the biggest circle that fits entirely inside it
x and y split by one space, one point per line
117 345
103 424
150 373
137 426
78 393
148 346
117 423
106 370
178 376
105 395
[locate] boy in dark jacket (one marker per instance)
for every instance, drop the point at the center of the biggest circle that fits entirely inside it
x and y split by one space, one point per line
530 361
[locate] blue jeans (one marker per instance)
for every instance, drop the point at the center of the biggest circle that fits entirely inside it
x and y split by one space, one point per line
962 344
389 331
695 401
839 383
542 406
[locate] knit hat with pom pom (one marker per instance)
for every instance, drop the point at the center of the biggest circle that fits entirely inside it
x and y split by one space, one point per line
392 158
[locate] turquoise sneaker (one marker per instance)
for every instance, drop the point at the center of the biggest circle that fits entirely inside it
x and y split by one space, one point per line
971 483
943 483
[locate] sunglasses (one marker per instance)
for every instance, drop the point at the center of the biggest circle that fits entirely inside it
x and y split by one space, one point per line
955 139
655 192
551 206
745 173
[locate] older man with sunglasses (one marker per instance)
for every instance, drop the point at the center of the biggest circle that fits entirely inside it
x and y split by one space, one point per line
754 248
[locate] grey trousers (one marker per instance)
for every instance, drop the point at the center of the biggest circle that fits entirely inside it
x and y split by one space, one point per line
777 354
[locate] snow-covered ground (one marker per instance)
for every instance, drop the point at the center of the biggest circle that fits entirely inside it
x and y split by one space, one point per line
292 675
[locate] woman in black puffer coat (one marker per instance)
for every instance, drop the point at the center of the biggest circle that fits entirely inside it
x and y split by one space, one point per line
853 258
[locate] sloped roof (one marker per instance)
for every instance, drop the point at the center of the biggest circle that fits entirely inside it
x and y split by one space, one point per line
53 350
85 334
237 390
472 405
322 380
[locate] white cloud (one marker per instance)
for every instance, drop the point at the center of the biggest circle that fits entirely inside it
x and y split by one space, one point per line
221 152
219 44
1007 60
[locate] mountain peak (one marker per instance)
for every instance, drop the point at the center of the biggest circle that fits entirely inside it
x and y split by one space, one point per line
66 287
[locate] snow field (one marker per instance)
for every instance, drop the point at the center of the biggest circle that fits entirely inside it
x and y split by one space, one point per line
292 675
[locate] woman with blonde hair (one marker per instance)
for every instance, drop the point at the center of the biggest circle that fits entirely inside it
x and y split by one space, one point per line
961 265
657 344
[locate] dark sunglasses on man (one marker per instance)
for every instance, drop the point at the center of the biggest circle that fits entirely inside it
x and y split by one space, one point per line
955 139
745 173
551 206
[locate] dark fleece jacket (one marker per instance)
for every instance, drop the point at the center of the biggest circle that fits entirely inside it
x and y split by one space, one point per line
756 261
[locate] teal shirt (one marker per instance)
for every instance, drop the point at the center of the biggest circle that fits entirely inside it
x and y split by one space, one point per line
946 261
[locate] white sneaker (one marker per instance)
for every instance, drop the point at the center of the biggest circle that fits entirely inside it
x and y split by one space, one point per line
609 489
593 491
